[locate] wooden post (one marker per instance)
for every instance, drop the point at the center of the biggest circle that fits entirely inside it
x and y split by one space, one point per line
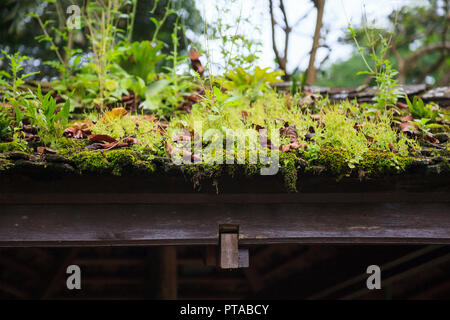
168 288
162 273
229 253
211 256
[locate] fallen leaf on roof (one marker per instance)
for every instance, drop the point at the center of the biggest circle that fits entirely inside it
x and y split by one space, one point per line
292 146
402 105
290 132
45 150
115 113
432 139
78 130
410 127
408 118
101 138
309 99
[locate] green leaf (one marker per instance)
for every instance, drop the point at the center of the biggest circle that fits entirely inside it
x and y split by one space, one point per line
156 87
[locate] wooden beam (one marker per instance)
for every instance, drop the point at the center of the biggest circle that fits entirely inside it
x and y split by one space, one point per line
195 224
13 291
211 256
409 272
57 280
332 291
229 252
108 262
434 291
168 273
201 198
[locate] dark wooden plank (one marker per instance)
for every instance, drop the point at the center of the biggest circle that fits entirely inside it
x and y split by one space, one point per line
195 224
229 252
167 273
191 198
244 258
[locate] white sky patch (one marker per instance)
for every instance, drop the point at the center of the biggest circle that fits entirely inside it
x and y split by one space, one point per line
338 13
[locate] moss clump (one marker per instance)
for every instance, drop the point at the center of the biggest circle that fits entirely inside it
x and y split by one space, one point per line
94 162
114 161
289 162
201 172
5 164
373 163
71 144
145 166
120 160
11 147
376 163
333 159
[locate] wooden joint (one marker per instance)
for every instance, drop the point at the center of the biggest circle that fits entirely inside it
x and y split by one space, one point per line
231 257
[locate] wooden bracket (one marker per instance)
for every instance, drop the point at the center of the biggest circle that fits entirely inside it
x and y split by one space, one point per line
231 257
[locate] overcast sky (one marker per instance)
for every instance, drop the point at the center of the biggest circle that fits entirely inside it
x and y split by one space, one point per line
338 13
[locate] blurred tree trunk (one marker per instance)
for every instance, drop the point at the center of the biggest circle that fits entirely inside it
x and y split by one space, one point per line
311 73
281 59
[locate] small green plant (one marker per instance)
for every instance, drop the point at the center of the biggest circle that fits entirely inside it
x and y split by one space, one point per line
101 18
44 114
251 83
5 126
15 77
61 64
425 125
298 83
218 102
420 110
235 48
380 69
116 126
140 59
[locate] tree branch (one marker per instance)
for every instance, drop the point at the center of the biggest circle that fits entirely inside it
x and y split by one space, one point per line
412 60
282 61
311 73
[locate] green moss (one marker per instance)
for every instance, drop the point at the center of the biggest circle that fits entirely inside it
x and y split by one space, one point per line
145 166
5 164
121 160
70 144
373 163
289 162
198 173
376 163
94 162
333 159
114 161
10 147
